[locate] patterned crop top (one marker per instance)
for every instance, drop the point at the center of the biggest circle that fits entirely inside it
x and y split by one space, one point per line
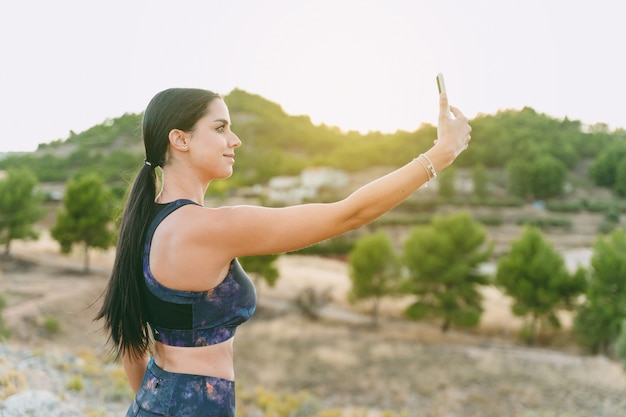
190 318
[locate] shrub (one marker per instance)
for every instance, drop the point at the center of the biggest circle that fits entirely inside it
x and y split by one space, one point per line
620 344
403 219
5 332
310 301
501 202
491 220
11 382
287 405
51 325
598 205
75 384
119 390
545 222
565 206
332 247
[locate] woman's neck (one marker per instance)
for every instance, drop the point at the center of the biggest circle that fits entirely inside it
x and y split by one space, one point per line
175 186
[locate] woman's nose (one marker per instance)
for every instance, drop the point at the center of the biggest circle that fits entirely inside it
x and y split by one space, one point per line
235 142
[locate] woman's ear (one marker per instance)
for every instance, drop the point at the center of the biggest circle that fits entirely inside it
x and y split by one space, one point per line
178 140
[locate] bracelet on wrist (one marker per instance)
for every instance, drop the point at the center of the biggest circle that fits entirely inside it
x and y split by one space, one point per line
425 169
428 167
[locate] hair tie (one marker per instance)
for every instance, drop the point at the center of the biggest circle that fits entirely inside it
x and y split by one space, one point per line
147 163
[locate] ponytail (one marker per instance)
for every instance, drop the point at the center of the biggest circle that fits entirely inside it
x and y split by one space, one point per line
123 306
122 309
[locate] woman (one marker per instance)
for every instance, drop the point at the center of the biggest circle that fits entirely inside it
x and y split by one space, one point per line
176 262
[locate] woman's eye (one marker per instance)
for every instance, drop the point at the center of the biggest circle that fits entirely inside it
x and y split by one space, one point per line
220 129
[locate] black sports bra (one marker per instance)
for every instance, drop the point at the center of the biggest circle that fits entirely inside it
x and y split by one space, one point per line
190 318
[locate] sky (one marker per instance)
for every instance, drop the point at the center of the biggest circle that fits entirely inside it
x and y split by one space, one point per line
357 64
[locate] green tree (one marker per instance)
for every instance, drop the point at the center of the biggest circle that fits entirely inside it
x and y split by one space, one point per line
525 134
442 259
620 178
262 266
534 275
538 178
480 179
445 182
603 171
518 181
620 343
20 207
374 270
600 318
548 176
86 217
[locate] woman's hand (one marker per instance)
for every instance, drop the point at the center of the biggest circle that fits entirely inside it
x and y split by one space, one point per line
453 133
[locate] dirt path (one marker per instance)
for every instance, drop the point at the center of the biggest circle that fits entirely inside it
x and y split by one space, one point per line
63 292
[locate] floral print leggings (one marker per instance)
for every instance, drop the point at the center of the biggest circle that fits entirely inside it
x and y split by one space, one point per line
170 394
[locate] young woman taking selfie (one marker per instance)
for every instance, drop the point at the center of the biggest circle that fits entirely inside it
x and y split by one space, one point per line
177 292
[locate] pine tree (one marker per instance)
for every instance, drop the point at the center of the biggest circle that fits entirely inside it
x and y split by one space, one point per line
262 266
374 270
442 259
534 275
20 207
599 320
86 217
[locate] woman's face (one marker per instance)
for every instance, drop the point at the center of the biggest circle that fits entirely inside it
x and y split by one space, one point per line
212 144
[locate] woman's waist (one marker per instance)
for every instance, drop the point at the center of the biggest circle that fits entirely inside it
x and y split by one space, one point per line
213 360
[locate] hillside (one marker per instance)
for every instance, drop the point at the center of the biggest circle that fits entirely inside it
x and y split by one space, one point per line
275 143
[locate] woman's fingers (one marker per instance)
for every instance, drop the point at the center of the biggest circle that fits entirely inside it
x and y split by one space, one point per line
444 107
457 113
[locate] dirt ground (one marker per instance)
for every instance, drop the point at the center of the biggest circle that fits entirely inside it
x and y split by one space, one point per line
402 366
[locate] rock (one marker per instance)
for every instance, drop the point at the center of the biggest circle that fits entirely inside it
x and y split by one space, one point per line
37 403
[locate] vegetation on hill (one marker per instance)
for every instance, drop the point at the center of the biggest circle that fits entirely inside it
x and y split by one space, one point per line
537 154
276 143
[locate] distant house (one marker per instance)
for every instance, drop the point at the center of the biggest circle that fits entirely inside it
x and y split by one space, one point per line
285 190
464 183
53 191
306 186
319 177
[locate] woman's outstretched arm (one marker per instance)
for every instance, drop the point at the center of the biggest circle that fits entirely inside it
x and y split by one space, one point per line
250 230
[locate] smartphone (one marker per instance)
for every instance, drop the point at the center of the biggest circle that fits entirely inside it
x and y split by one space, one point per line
441 85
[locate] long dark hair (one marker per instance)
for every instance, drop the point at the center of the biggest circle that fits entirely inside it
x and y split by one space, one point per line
122 308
